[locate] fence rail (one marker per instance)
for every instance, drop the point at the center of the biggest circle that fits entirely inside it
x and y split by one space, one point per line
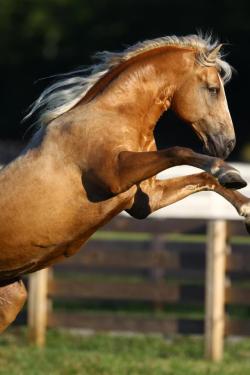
163 270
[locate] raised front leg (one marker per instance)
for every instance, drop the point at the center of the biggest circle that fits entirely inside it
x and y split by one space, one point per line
134 167
12 298
154 194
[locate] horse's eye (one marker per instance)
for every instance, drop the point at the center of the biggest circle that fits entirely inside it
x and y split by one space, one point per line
213 90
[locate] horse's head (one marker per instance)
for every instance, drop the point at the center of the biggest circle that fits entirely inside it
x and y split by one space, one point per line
200 101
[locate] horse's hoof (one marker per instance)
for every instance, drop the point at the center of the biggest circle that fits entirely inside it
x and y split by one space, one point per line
232 180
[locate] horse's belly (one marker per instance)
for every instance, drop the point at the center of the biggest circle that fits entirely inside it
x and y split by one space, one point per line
26 248
22 255
36 258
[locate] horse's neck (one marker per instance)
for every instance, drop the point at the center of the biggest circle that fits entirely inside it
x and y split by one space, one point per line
144 91
128 108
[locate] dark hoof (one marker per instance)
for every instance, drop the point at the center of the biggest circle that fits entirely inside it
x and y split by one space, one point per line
232 180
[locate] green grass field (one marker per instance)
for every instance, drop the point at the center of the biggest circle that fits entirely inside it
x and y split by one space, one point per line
117 355
106 354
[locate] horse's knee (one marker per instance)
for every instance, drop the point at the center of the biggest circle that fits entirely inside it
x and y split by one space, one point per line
12 299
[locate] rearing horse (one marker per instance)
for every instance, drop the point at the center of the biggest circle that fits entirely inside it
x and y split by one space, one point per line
95 153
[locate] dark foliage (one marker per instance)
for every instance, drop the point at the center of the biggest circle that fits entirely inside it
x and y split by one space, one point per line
45 37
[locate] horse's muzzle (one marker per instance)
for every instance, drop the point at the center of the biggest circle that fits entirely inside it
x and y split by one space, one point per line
219 146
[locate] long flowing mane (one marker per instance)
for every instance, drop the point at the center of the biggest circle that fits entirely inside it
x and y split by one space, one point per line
63 95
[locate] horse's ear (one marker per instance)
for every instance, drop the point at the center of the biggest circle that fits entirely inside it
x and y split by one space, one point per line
214 53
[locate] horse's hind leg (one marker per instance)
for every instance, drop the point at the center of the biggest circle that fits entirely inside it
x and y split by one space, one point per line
12 298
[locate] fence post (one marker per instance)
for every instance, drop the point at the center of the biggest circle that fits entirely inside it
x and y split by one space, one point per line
215 289
37 307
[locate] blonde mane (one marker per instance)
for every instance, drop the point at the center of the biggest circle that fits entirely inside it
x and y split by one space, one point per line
63 95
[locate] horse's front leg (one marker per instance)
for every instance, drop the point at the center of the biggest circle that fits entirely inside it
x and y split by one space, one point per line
134 167
154 194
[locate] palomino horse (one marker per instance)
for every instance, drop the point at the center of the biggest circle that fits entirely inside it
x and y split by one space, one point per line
95 153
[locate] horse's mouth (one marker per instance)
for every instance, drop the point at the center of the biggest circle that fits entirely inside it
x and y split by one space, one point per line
218 145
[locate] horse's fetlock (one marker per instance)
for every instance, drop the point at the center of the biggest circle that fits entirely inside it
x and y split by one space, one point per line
244 210
215 167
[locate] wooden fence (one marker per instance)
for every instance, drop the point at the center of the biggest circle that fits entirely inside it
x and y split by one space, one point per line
166 265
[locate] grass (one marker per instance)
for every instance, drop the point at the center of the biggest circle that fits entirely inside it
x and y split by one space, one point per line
104 354
68 354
